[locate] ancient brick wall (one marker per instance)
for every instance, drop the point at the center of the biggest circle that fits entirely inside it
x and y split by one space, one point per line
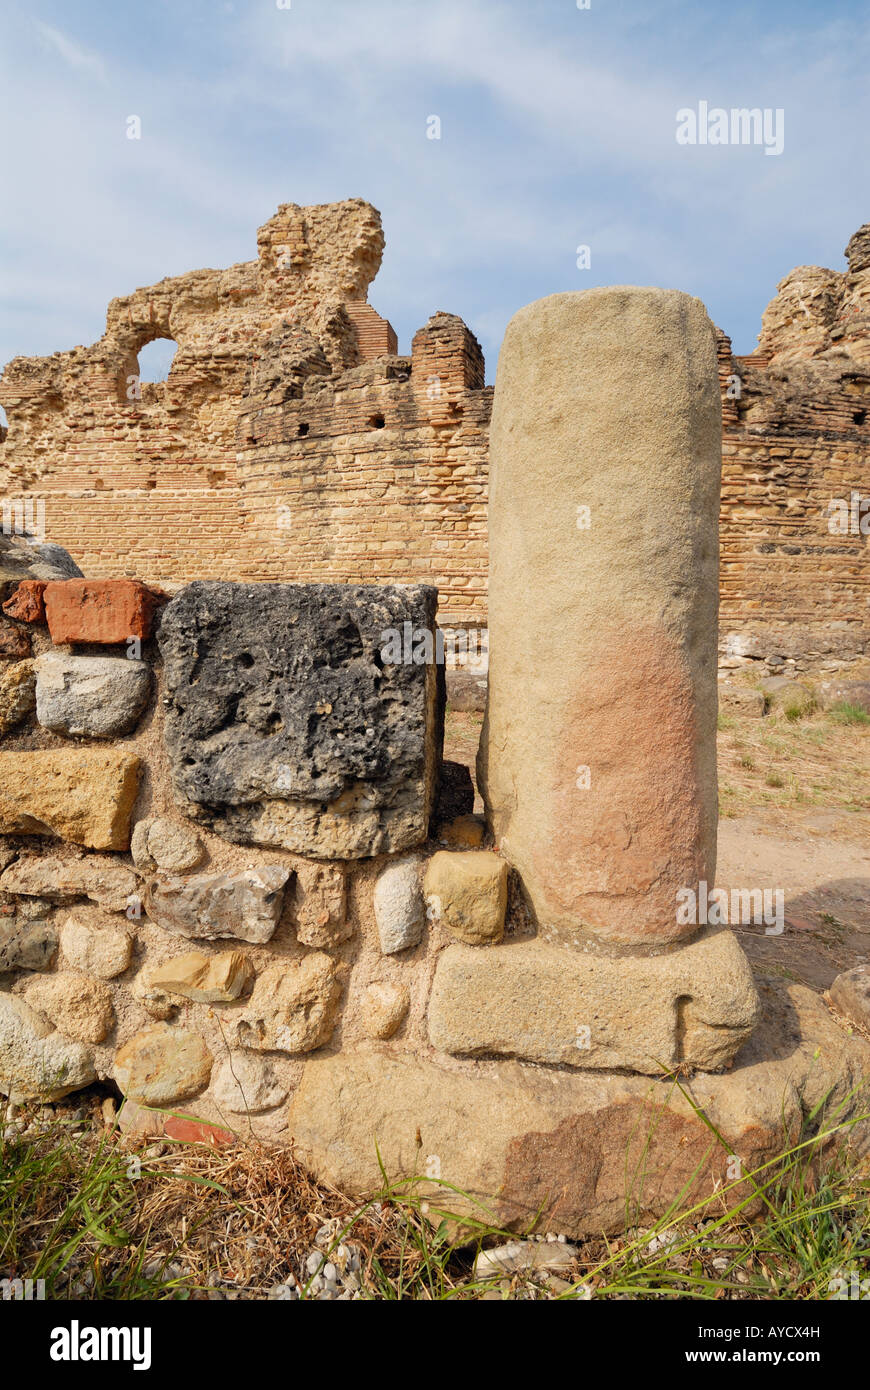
793 582
291 441
288 442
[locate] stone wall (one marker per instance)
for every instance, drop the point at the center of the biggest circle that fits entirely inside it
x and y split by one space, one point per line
239 882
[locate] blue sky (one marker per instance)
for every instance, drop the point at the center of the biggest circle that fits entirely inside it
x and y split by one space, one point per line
558 130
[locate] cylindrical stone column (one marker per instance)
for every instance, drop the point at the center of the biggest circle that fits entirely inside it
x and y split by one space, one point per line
598 755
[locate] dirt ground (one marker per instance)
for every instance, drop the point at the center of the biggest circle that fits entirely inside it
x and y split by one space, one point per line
794 815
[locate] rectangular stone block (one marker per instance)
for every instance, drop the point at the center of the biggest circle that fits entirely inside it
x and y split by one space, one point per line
84 795
692 1006
108 611
305 716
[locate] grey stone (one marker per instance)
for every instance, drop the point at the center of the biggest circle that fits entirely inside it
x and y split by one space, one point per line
290 721
400 911
26 557
692 1007
27 945
160 843
466 691
245 905
525 1257
93 696
37 1062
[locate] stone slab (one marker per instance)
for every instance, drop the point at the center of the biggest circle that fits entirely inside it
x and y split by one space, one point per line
692 1007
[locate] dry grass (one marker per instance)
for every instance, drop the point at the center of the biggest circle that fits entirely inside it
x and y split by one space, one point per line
778 764
99 1217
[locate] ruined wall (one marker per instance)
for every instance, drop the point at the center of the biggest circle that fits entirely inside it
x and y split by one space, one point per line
288 441
291 442
793 585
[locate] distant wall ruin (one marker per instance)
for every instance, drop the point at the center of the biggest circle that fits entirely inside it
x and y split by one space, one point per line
291 441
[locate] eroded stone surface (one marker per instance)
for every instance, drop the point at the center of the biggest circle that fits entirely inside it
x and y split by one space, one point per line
321 906
105 881
97 696
80 1007
384 1006
246 1083
293 1007
286 724
162 1064
694 1006
36 1061
27 945
246 905
84 795
17 694
468 893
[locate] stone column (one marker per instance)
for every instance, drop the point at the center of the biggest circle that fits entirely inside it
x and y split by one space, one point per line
598 755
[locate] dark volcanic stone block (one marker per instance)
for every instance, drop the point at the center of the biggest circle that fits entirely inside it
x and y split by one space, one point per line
287 726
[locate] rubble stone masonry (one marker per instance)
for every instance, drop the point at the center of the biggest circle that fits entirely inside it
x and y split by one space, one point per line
292 442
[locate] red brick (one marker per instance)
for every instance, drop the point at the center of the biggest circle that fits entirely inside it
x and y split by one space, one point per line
98 610
15 643
27 603
196 1132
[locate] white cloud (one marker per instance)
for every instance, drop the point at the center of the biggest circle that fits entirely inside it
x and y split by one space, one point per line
72 53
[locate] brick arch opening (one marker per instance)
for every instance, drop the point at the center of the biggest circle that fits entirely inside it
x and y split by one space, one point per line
155 360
